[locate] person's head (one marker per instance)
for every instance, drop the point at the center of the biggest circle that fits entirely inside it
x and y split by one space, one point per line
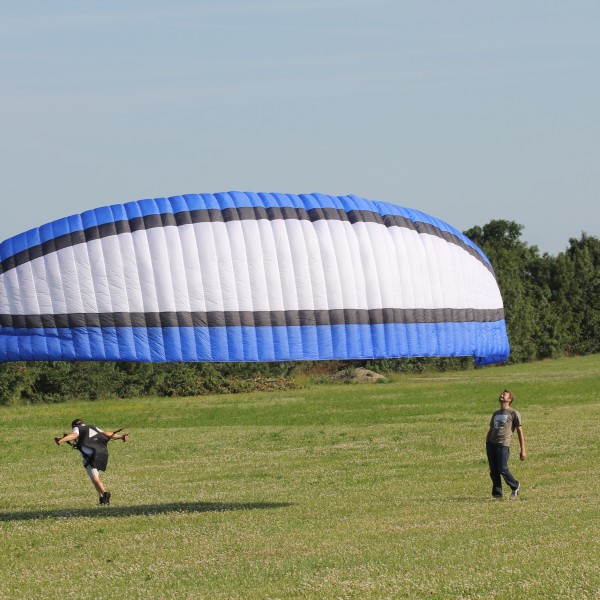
506 396
77 423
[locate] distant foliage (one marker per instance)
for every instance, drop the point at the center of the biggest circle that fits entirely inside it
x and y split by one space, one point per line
58 381
552 307
552 304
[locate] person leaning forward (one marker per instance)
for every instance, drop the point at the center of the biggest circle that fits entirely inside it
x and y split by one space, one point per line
502 424
92 442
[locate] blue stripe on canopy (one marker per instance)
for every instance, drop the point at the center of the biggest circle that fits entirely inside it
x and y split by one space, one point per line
265 344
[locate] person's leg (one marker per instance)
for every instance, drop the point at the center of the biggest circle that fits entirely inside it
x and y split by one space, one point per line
95 478
511 482
494 461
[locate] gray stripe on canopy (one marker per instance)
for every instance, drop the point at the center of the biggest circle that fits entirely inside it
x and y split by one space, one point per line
225 216
286 318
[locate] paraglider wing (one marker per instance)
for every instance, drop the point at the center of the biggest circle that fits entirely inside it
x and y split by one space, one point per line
248 277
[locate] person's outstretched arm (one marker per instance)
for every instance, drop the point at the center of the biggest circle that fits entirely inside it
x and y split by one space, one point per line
66 438
116 436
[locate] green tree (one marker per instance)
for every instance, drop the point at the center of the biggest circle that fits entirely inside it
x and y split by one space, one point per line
58 380
577 294
17 383
513 261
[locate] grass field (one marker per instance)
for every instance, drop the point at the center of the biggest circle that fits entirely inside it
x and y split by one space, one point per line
329 491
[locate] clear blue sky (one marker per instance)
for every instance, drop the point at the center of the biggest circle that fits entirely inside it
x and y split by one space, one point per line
467 110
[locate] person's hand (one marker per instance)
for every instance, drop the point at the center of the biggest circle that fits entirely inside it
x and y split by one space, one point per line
125 437
57 440
523 455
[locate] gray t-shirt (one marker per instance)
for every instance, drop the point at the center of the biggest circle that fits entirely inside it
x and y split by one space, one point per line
503 423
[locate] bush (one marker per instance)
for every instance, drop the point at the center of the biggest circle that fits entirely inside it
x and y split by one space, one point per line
17 383
82 380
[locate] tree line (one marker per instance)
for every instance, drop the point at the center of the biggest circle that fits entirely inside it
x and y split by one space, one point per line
552 308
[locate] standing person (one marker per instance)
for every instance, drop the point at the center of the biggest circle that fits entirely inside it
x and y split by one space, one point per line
91 442
502 424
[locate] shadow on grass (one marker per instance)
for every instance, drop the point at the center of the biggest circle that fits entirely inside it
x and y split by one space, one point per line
143 509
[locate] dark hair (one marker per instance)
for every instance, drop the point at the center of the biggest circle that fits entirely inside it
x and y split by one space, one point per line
76 423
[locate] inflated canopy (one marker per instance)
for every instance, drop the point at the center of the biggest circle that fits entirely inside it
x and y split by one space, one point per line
248 277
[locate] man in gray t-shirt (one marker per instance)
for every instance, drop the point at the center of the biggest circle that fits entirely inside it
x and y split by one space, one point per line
502 424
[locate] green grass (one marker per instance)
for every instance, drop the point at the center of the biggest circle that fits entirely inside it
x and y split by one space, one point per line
338 491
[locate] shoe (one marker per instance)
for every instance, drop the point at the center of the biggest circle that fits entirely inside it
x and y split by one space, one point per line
496 497
515 493
105 498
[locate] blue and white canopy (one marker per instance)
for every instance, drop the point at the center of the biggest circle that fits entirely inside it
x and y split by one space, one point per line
248 277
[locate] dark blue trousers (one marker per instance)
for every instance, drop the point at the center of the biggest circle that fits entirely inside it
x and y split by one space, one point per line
498 461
